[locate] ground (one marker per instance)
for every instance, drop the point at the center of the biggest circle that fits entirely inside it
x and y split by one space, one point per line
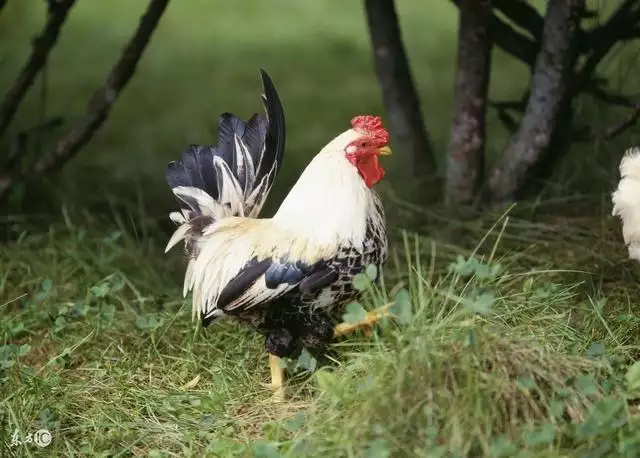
523 342
514 333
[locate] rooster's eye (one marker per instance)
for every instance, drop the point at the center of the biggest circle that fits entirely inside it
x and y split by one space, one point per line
363 144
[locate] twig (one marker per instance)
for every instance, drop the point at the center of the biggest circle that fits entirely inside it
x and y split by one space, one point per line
608 97
606 36
103 98
620 127
507 120
42 45
18 146
100 103
511 41
523 14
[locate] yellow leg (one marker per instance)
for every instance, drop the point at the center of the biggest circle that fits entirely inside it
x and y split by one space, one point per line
277 378
348 328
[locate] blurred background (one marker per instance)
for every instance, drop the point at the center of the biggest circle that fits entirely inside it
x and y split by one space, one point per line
203 60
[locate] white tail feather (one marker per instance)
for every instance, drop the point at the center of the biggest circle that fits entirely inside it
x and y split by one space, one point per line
626 201
178 235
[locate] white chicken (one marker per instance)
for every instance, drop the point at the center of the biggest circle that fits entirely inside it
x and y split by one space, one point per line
626 201
286 276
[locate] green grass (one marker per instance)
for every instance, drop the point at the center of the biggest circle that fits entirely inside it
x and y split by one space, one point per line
499 347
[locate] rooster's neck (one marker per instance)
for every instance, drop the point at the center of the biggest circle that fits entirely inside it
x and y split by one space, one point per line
329 204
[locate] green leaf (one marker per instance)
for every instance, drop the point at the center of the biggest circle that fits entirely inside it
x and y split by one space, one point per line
45 290
149 322
108 312
463 267
401 307
502 447
556 408
117 282
606 416
17 329
595 350
306 361
59 324
542 436
100 290
6 351
23 349
372 272
587 385
361 281
632 377
295 423
264 449
377 449
354 313
481 304
526 382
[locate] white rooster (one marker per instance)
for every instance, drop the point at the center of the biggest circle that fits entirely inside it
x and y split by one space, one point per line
286 276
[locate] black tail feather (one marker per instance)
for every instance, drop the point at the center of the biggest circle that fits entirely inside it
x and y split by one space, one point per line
249 155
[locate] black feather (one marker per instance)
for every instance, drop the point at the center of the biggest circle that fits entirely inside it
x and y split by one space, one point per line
264 139
276 130
318 280
276 273
241 282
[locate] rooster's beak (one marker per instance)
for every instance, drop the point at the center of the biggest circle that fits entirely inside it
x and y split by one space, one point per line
384 151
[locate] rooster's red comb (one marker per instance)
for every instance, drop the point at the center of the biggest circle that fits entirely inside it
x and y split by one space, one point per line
372 126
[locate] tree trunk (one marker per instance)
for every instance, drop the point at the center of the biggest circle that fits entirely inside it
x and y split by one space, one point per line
465 157
398 90
549 87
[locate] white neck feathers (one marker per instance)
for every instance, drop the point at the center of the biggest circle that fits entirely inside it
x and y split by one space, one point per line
330 202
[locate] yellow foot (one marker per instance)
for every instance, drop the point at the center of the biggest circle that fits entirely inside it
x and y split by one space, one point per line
277 378
348 328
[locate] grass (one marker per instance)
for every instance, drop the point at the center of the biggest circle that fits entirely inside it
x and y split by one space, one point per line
497 349
514 336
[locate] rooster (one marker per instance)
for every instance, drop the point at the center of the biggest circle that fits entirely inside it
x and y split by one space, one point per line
287 276
626 201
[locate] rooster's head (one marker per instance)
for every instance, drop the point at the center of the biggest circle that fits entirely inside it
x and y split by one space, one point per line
370 141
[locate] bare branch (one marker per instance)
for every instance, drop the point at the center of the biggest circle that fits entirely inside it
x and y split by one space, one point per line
628 122
507 120
523 14
603 38
589 134
511 41
398 89
103 98
609 97
549 87
465 156
101 102
42 45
